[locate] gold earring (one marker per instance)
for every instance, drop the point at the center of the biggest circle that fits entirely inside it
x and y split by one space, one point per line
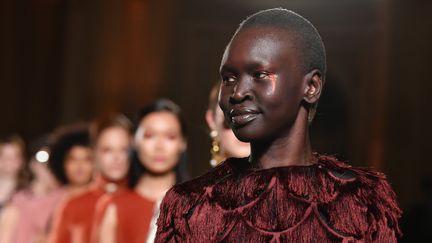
216 157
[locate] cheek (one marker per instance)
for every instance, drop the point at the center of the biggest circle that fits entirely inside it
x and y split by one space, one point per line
87 166
11 162
104 158
70 167
146 147
281 95
174 148
269 87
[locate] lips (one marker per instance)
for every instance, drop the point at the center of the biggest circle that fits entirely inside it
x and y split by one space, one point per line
159 159
241 116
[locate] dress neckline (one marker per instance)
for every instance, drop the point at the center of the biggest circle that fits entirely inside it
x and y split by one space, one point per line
318 162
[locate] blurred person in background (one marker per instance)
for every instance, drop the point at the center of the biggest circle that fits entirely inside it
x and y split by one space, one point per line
13 169
158 162
110 140
14 175
28 213
224 143
71 158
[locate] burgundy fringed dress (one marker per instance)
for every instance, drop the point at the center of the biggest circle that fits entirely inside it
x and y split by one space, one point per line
325 202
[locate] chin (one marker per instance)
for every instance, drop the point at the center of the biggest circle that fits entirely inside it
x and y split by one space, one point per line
160 172
115 177
245 134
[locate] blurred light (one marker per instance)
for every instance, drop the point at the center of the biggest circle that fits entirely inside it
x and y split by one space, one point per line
42 156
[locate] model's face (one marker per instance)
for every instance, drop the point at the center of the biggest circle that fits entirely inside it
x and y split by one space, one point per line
111 153
229 144
11 160
159 142
261 90
78 166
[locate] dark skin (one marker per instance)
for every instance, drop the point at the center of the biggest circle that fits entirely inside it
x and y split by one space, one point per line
265 94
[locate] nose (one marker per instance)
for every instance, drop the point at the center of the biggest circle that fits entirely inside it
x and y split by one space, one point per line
241 91
159 145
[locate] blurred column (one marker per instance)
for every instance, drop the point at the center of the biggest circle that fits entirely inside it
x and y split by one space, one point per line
116 55
380 88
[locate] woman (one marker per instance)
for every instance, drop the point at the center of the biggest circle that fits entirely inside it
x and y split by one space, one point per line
31 208
13 169
224 143
157 164
110 140
272 72
14 175
71 158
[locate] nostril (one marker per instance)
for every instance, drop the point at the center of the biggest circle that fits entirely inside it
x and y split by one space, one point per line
238 97
241 91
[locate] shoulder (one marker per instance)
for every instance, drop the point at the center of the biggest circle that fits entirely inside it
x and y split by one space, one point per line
366 182
182 196
19 198
367 188
75 203
214 176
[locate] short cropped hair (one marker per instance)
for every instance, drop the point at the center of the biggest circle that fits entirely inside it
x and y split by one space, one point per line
61 142
305 35
303 32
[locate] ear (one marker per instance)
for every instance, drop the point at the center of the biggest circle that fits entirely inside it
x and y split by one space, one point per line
313 84
210 119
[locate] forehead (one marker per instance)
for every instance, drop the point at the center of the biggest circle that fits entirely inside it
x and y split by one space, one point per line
264 45
161 120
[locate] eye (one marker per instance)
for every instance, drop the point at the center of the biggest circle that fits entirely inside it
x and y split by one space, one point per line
171 136
148 135
228 79
261 75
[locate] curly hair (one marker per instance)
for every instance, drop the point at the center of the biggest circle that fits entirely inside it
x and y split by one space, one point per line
62 141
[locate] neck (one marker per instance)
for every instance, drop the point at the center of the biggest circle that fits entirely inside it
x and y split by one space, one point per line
109 185
76 189
293 148
39 188
154 187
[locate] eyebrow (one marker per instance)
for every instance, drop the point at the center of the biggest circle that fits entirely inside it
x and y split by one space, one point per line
228 68
256 65
249 66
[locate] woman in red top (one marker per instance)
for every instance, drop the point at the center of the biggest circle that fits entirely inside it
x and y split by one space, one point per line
110 139
157 164
273 71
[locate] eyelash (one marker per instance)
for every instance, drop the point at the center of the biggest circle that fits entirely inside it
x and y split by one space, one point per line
255 75
260 75
226 79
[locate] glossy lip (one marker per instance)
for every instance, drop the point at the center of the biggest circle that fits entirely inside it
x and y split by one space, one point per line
241 116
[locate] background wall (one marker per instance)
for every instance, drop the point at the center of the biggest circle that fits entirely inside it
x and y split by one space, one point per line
68 60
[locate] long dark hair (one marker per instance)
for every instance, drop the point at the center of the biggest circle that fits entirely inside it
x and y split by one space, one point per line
136 168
